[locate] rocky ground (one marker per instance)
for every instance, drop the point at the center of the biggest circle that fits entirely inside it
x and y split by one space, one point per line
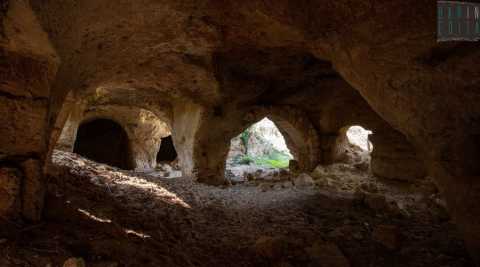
164 170
335 216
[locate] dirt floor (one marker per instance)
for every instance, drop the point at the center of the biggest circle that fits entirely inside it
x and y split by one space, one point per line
110 218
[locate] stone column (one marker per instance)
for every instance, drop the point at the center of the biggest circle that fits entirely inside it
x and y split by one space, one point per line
186 121
211 149
212 142
68 135
28 64
145 136
144 152
331 147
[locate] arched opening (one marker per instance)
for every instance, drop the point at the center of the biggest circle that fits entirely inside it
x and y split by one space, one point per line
104 141
167 159
353 146
259 150
358 136
167 152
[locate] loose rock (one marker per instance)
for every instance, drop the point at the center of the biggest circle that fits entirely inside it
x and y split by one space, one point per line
264 187
303 180
287 184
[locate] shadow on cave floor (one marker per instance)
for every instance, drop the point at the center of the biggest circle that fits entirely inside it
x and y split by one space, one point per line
120 218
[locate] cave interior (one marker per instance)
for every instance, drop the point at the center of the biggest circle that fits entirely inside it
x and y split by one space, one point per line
102 103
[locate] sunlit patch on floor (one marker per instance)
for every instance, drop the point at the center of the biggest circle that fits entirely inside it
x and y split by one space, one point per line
117 182
141 235
93 217
156 190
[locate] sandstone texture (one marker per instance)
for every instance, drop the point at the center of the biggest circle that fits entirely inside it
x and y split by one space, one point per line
136 219
203 71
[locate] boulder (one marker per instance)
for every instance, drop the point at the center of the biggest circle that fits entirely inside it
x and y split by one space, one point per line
369 187
277 186
323 182
303 180
318 172
264 187
287 184
362 166
250 177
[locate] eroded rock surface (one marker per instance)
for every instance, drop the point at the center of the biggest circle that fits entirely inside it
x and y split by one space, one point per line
106 214
208 69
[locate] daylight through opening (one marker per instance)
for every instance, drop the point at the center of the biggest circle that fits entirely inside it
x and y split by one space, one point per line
354 147
260 149
358 136
167 163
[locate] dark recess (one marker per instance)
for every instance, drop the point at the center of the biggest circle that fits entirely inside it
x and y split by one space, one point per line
104 141
167 150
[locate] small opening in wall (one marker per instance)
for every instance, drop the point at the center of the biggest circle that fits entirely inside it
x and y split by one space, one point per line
259 150
167 159
353 146
358 136
167 152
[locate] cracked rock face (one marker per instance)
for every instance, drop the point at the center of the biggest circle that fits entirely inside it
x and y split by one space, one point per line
208 69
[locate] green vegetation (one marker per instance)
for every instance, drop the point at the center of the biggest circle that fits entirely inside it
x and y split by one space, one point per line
243 160
276 159
244 136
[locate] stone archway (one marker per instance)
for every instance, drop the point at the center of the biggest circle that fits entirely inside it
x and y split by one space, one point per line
144 127
261 147
104 141
213 138
392 157
350 151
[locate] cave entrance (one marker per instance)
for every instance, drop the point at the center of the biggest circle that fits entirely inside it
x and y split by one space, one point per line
104 141
167 163
260 150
